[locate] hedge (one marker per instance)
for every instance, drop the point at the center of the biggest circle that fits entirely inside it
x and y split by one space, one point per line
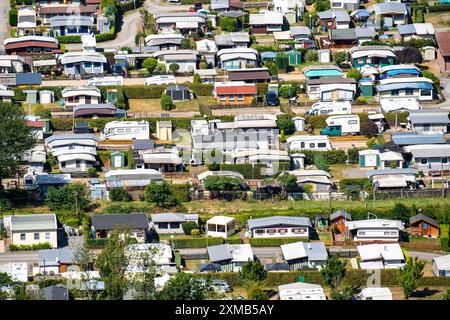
445 237
250 171
363 182
194 1
13 17
200 89
182 243
31 247
331 157
274 242
181 192
439 8
69 39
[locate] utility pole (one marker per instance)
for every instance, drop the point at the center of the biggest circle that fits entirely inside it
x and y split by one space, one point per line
76 204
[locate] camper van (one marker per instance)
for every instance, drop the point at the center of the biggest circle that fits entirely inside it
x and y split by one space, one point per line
335 107
399 104
126 130
375 293
305 142
161 80
105 81
341 125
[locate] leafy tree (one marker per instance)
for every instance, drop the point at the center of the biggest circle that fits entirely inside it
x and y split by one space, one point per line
228 24
285 122
138 39
282 136
340 57
253 271
186 43
71 197
409 55
174 67
166 103
273 70
112 264
159 193
218 183
197 78
282 62
288 91
119 194
184 287
288 183
15 138
150 64
188 227
41 111
255 290
322 5
309 21
410 275
401 212
369 129
320 162
333 272
311 56
355 74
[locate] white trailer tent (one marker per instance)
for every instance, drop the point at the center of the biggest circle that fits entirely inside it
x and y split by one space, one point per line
126 130
220 226
308 142
375 293
301 291
441 266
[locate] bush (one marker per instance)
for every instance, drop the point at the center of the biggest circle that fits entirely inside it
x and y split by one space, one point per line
92 172
369 129
188 227
195 232
285 123
409 55
105 36
311 56
340 56
13 17
174 67
200 89
181 192
220 183
166 103
228 24
31 247
119 194
160 193
320 162
203 65
282 62
150 64
69 39
439 8
353 156
182 243
432 77
419 16
355 74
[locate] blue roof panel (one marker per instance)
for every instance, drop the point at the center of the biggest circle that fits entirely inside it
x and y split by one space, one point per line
402 86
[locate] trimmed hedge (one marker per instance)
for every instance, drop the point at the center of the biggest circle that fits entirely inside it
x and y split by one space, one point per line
69 39
274 242
445 237
13 17
31 247
331 157
181 192
201 89
250 171
105 36
183 243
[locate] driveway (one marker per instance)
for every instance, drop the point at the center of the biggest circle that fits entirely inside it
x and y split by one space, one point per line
4 24
445 83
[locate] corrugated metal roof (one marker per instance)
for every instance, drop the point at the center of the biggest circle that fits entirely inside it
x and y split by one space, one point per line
403 139
279 220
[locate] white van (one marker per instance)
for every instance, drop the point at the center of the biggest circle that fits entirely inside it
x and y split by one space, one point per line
334 107
161 80
307 142
126 130
105 81
375 293
349 124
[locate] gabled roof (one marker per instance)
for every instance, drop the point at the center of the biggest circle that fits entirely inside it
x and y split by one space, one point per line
390 8
338 15
278 221
443 41
422 217
31 222
340 213
267 17
429 116
442 262
112 221
413 138
52 257
375 223
168 217
342 34
388 251
300 30
234 252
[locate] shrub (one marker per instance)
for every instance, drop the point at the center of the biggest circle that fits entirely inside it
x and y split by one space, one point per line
219 183
188 227
353 157
197 78
288 91
282 62
203 65
409 55
119 194
228 24
159 193
355 74
432 77
31 247
174 67
273 242
195 232
419 16
69 39
13 17
285 123
150 64
311 56
369 129
340 56
92 172
166 103
181 192
320 162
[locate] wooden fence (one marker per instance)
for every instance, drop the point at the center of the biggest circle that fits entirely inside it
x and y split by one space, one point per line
407 194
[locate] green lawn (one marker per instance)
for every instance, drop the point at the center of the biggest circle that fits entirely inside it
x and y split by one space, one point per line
153 105
438 19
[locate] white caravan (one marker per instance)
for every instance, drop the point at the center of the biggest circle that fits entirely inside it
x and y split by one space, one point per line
105 81
349 124
399 104
161 80
335 107
126 130
306 142
375 293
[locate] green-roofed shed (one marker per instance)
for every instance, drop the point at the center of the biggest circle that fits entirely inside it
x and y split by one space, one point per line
322 73
294 57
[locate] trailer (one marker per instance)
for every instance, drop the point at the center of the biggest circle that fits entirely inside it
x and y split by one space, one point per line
375 293
341 125
126 130
105 81
399 105
330 108
308 142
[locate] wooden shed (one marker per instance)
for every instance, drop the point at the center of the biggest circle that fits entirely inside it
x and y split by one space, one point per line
425 226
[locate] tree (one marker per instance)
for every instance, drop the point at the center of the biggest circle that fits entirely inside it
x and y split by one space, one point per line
150 64
288 183
311 56
333 272
112 264
320 162
273 70
119 194
253 271
166 103
138 39
186 43
322 5
309 22
218 183
282 62
228 24
401 212
409 55
184 287
159 193
174 67
355 74
15 138
282 136
255 290
130 159
369 129
287 91
197 78
70 197
410 275
340 57
285 122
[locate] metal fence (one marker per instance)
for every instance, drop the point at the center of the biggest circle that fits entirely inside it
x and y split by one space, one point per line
421 193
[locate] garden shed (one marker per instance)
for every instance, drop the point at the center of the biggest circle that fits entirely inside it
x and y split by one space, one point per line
369 158
294 57
46 97
117 159
178 93
324 56
366 87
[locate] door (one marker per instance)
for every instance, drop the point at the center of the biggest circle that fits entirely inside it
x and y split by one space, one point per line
118 162
371 161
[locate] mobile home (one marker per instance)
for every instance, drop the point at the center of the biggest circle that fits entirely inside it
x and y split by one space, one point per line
341 125
335 107
318 143
126 130
105 81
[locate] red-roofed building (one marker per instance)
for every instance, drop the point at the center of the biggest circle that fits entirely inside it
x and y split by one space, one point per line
443 52
235 93
37 128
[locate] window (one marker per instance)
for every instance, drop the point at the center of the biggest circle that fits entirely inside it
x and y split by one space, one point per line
423 161
119 130
231 97
47 236
174 225
22 236
424 226
220 228
321 145
425 93
444 160
361 233
211 227
298 230
163 225
128 130
29 50
240 97
409 92
360 61
223 97
282 231
312 145
302 145
259 231
353 122
36 236
395 92
271 231
387 233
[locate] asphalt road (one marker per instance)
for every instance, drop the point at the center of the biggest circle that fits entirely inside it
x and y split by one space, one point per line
445 83
4 22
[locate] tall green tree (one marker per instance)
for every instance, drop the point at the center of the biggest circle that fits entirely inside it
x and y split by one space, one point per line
401 212
71 197
333 272
159 193
228 24
139 38
15 138
150 64
410 275
253 271
184 287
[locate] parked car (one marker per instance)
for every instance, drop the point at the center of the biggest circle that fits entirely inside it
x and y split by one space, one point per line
272 99
220 286
198 6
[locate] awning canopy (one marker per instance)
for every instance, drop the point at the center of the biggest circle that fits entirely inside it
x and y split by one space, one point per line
403 86
6 63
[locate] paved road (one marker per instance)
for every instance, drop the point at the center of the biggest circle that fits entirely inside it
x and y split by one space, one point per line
423 255
28 257
131 23
4 22
445 83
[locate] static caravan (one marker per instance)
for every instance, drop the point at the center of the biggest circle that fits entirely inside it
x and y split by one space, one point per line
126 130
341 125
335 107
105 81
399 104
161 80
318 143
375 293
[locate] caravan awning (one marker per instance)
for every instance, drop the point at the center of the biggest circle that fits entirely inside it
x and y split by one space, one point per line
371 265
404 85
5 63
